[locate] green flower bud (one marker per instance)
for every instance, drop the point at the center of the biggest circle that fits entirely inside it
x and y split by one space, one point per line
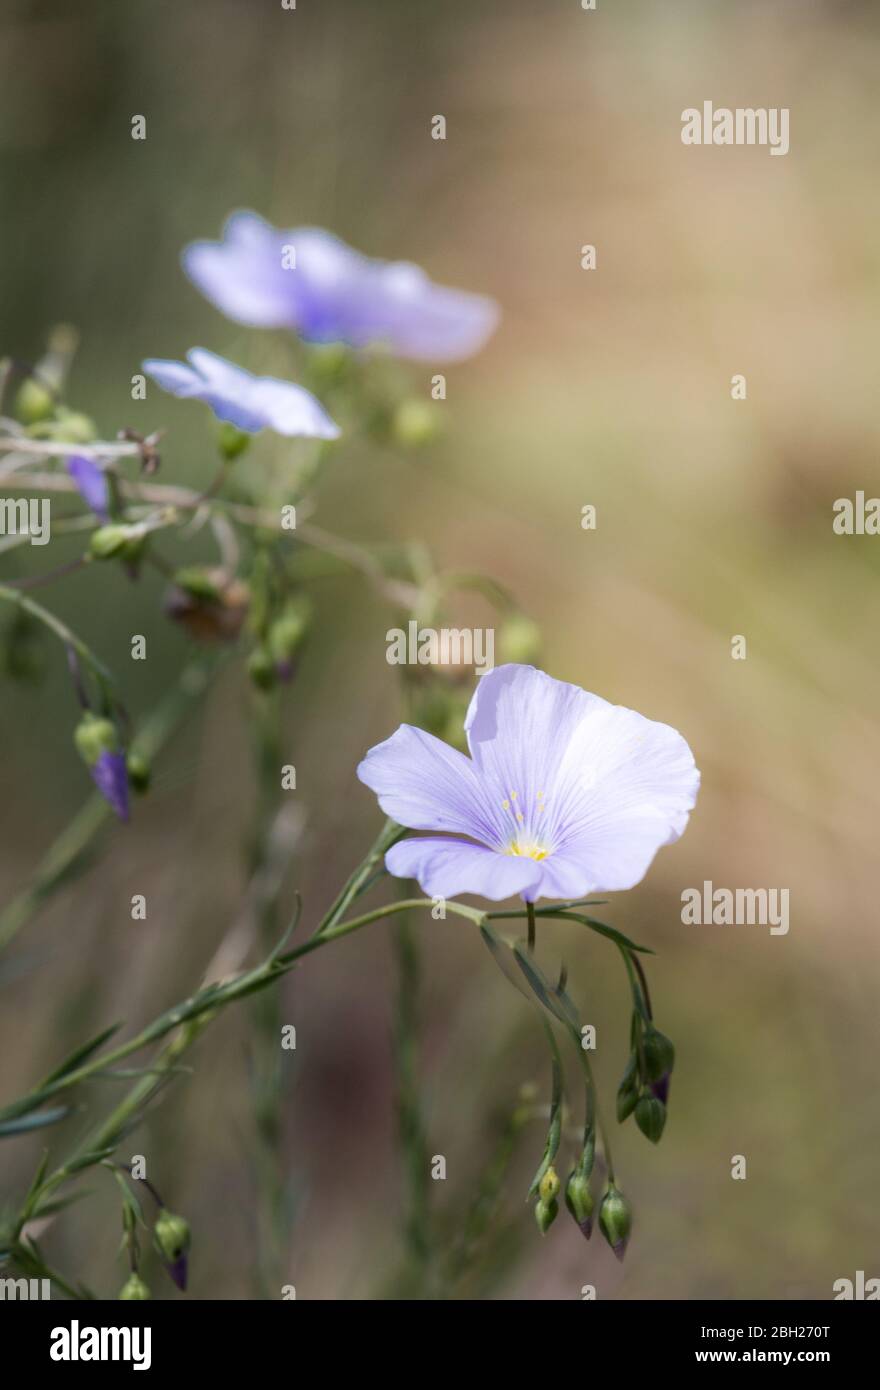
579 1200
615 1220
545 1214
261 669
134 1289
94 736
232 441
659 1054
76 427
548 1187
288 630
138 770
33 402
651 1117
117 542
197 581
171 1235
415 423
519 639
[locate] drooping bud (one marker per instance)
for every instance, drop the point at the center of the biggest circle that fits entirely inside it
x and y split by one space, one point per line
172 1239
207 603
548 1187
615 1220
261 669
286 635
75 427
117 542
110 776
138 770
579 1200
97 742
545 1214
651 1117
33 402
660 1088
134 1289
94 736
659 1054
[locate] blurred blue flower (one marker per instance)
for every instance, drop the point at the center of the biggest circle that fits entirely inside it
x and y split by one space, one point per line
251 403
91 484
110 776
308 280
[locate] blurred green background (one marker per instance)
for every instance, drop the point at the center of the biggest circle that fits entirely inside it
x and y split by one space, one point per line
609 387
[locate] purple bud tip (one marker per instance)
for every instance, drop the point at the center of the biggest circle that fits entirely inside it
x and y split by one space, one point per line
586 1227
660 1089
178 1272
110 776
91 484
620 1249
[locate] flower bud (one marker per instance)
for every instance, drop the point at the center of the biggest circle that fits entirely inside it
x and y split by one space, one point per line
651 1117
210 606
138 770
545 1214
519 639
75 427
94 736
415 423
33 402
660 1088
579 1200
134 1289
117 541
615 1220
172 1237
548 1187
659 1054
286 635
261 669
231 441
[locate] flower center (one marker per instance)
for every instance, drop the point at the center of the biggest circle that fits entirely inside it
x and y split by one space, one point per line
525 829
527 851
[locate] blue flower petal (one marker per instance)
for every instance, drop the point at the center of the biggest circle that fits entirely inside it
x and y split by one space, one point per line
310 281
251 403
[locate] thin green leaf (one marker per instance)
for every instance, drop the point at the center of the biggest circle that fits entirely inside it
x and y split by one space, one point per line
29 1122
82 1054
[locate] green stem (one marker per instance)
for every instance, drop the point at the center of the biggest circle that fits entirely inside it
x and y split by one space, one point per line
267 1084
410 1120
64 633
530 912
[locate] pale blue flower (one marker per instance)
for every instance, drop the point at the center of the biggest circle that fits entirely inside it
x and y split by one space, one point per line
563 795
251 403
311 282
